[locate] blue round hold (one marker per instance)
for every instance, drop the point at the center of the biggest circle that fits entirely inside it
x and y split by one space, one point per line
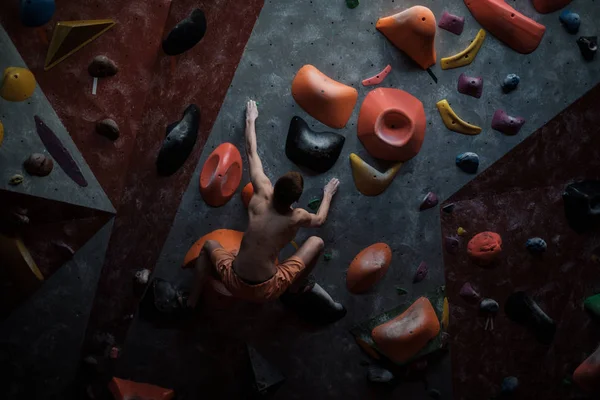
510 83
570 21
509 385
536 245
36 12
468 162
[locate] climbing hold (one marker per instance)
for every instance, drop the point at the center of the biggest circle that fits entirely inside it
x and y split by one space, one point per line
379 375
368 267
466 56
587 375
377 79
247 193
314 204
452 23
588 45
570 21
228 238
451 244
391 124
179 143
548 6
368 180
536 245
517 31
468 293
16 179
421 272
413 32
504 123
470 85
18 84
102 67
582 204
468 162
509 385
430 200
314 305
1 133
314 150
327 256
445 314
221 175
142 276
521 309
404 336
108 128
489 306
461 231
453 122
186 34
38 164
434 394
352 3
123 389
266 375
70 36
510 83
592 304
448 208
35 13
401 291
326 100
484 248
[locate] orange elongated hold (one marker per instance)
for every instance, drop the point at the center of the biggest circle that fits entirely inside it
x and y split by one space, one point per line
587 375
123 389
404 336
520 33
228 238
221 175
368 267
413 32
391 124
548 6
377 79
247 193
326 100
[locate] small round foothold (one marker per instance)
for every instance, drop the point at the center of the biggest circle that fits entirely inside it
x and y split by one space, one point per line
468 162
38 164
536 245
489 305
16 179
102 67
510 83
509 385
461 231
570 21
108 128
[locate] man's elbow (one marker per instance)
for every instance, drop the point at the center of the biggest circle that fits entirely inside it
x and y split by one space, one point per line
318 222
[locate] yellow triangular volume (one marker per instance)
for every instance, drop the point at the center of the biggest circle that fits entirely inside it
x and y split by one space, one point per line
70 36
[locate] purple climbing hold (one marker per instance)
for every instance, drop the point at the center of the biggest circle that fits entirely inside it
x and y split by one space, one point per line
451 244
502 122
468 293
430 200
470 85
452 23
421 273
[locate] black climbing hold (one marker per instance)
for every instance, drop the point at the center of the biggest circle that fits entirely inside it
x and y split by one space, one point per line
536 245
489 306
102 67
179 143
509 385
315 150
448 208
379 375
108 128
524 310
451 244
266 376
186 34
468 162
570 21
162 300
510 83
588 45
582 205
314 305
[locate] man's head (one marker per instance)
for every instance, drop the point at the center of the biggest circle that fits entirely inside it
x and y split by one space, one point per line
288 190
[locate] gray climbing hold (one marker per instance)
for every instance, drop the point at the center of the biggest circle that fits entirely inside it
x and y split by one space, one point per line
536 245
489 305
468 162
588 45
570 21
102 67
108 128
470 85
509 385
510 83
504 123
430 200
38 164
468 293
421 272
379 375
451 244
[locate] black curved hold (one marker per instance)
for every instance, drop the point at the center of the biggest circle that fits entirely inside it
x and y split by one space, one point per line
315 150
582 205
524 310
186 34
179 143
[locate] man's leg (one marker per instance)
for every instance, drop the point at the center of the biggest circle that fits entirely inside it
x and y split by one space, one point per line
202 268
309 253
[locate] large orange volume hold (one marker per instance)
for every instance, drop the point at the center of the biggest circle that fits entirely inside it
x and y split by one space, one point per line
517 31
587 375
123 389
391 124
548 6
326 100
228 238
368 267
221 175
404 336
413 32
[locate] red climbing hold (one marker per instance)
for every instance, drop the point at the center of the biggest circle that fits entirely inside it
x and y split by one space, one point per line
122 389
221 175
484 248
377 79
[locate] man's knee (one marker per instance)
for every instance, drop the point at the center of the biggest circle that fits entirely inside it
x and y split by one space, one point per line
317 242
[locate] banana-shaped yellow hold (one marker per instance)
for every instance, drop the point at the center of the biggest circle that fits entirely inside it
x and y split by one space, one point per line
368 180
466 56
453 122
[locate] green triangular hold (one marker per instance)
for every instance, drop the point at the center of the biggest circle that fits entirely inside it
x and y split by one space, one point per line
314 204
592 304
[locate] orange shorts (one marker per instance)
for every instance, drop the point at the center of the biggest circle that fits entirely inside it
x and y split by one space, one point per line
269 290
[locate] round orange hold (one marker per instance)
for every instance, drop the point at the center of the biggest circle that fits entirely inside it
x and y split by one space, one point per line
228 238
368 267
247 193
221 175
484 248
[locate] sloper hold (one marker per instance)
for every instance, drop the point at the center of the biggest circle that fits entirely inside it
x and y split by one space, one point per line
314 150
186 34
466 56
368 267
391 124
522 309
368 180
35 13
179 143
468 162
517 31
570 20
123 389
228 238
326 100
18 84
70 36
413 32
587 375
452 23
453 121
582 205
548 6
221 175
504 123
402 337
266 375
470 85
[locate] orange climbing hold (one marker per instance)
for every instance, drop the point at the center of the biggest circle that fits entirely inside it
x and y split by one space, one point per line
548 6
368 267
377 79
391 124
326 100
123 389
484 248
228 238
517 31
221 175
403 337
413 32
587 375
247 193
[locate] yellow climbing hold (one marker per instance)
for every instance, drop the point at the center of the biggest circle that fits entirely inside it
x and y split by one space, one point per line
20 264
18 84
466 56
368 180
1 133
453 122
446 315
461 231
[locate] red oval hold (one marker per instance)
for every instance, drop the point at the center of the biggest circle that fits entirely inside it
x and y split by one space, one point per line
221 175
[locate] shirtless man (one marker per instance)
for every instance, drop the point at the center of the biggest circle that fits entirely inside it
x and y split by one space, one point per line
253 275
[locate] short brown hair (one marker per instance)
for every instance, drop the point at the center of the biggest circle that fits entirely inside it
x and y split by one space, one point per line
288 190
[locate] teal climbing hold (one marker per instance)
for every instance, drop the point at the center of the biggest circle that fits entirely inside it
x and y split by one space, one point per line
314 204
352 3
592 304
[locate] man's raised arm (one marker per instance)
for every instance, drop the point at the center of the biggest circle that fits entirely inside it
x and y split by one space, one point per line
257 175
308 220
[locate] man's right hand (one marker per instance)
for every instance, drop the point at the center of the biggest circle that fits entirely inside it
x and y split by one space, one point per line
331 188
251 111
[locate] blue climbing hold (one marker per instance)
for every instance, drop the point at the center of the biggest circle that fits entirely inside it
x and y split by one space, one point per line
570 21
36 12
509 385
536 245
468 162
510 83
